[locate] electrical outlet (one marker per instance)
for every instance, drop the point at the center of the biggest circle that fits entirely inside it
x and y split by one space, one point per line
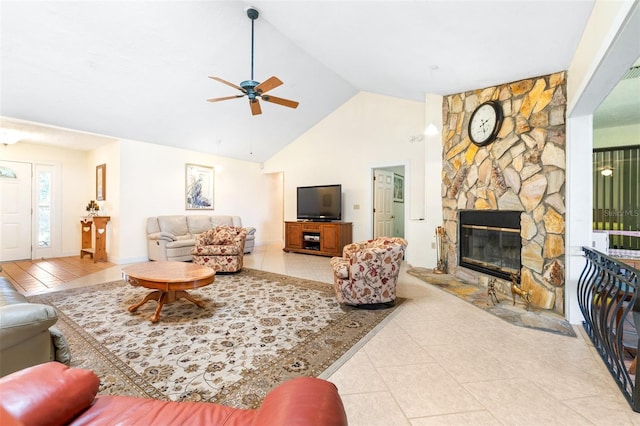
433 245
356 206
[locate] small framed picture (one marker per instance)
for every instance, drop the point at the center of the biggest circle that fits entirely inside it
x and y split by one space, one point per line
199 192
398 188
101 182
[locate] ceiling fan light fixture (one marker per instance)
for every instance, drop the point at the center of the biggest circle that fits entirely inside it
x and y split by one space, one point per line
431 130
608 171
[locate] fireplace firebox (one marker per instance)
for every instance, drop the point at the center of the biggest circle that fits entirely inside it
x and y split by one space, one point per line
490 242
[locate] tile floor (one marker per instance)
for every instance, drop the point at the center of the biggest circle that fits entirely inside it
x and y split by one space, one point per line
441 361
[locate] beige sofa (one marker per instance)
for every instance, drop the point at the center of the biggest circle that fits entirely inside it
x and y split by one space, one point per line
27 335
173 237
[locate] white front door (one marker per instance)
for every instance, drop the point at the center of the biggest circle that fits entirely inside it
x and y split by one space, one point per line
383 204
15 211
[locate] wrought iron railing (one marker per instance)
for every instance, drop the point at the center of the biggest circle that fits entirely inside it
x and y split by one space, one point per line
608 298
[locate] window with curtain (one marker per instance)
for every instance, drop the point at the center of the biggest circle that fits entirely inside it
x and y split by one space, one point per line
616 195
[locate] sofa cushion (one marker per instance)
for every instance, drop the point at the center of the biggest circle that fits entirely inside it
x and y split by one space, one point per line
198 224
8 294
222 221
121 410
186 242
176 225
179 254
162 236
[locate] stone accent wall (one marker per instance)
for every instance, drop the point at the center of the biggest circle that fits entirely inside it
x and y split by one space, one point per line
522 170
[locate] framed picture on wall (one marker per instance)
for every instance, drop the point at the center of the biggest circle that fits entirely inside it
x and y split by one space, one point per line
101 182
398 188
199 187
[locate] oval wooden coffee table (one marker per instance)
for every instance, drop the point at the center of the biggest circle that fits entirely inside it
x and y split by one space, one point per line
170 281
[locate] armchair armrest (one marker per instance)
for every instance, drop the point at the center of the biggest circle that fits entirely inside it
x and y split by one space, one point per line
21 321
49 393
340 267
162 235
302 401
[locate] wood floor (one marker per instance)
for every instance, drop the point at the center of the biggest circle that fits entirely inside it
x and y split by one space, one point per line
45 274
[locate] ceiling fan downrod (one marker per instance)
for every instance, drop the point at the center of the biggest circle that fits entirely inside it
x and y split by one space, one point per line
253 15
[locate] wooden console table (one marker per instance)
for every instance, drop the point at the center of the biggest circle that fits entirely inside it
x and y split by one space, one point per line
320 238
94 229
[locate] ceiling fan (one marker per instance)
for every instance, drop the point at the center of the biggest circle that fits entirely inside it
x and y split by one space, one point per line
253 89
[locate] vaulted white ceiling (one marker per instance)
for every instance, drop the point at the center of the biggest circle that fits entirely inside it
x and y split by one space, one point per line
138 69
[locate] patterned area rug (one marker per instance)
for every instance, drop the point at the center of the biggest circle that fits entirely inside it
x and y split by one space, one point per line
258 329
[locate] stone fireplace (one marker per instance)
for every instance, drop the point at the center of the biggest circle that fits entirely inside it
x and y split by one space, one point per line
490 242
522 171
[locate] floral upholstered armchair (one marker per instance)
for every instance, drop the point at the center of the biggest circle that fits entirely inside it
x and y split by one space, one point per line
367 273
220 248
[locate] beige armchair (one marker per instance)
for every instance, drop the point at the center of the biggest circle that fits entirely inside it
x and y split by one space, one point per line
220 248
367 273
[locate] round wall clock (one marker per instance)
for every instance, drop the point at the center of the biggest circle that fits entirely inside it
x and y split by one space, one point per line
485 123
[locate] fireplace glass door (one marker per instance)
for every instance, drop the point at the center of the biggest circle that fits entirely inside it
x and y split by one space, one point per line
496 248
490 242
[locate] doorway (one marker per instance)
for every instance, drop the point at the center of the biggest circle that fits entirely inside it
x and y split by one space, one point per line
30 225
15 210
388 201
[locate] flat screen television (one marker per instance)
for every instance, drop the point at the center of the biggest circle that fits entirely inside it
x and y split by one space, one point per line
320 203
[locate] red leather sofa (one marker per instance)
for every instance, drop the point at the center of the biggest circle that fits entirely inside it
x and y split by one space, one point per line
54 394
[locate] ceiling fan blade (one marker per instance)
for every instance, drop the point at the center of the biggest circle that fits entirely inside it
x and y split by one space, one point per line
280 101
255 106
225 98
268 84
228 83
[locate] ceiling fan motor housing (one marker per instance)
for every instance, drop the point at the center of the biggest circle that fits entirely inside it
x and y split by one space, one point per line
252 13
249 86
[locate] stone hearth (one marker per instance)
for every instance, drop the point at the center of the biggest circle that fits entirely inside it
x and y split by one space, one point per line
522 170
476 295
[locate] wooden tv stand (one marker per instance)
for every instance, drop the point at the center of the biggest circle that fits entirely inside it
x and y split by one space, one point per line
319 238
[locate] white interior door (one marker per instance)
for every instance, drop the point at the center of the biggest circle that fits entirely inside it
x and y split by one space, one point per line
383 204
15 211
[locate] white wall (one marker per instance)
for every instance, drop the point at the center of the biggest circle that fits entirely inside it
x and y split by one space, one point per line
152 183
273 230
366 132
434 190
109 155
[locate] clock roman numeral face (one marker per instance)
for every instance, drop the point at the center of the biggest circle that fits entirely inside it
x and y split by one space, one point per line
485 123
